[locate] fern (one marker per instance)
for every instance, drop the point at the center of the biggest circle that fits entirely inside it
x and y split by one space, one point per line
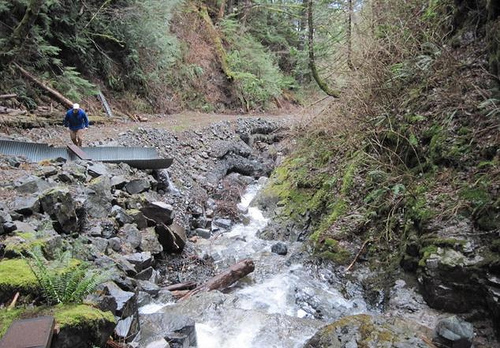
65 280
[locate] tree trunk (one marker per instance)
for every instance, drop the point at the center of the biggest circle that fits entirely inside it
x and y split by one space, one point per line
20 33
222 9
312 61
349 36
219 47
52 93
225 279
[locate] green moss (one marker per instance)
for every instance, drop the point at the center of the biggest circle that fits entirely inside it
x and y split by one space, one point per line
7 317
80 315
425 253
30 242
16 275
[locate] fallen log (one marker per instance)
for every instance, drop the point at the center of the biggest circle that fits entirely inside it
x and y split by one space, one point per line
224 279
179 294
52 92
8 96
181 286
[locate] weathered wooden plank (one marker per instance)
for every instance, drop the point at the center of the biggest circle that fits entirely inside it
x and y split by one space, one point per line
79 152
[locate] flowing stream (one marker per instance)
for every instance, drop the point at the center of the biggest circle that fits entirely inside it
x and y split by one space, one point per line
281 304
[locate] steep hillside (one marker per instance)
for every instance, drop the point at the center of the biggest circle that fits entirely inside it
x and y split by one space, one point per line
402 171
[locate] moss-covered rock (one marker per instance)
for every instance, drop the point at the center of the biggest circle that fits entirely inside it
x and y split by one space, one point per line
81 326
369 331
16 276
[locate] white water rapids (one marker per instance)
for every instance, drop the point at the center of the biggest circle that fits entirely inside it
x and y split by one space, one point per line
281 304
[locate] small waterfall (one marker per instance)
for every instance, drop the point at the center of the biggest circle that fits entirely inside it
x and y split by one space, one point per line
164 177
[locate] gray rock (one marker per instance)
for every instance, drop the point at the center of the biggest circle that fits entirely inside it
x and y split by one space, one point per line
31 184
126 304
130 234
454 333
172 238
98 198
48 171
121 215
149 287
115 244
26 205
145 274
149 242
126 329
118 181
222 223
101 244
137 186
140 261
159 213
96 169
60 205
279 248
179 330
203 233
138 218
158 343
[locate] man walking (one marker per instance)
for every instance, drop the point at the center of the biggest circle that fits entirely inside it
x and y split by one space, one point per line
76 120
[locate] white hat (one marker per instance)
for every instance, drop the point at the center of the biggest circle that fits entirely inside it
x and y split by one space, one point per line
76 106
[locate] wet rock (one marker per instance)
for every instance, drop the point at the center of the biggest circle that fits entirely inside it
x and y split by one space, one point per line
369 331
26 206
159 213
449 280
137 186
222 223
454 333
279 248
149 242
172 238
60 205
149 287
126 329
178 330
203 233
31 184
126 304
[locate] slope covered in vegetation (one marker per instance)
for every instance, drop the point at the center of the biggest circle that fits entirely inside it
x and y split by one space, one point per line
404 166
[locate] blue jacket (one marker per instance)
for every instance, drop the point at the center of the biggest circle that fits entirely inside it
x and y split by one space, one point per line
76 121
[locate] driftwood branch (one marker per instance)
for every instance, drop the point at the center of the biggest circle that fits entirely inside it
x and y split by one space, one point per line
224 279
8 96
358 255
55 95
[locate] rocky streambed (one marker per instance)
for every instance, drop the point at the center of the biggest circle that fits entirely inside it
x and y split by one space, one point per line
153 229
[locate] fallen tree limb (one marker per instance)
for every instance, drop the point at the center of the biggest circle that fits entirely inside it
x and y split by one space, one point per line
8 96
58 97
357 255
181 286
224 279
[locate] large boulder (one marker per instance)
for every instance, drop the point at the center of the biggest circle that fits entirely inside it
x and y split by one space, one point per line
31 184
61 207
98 197
159 213
371 332
172 238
